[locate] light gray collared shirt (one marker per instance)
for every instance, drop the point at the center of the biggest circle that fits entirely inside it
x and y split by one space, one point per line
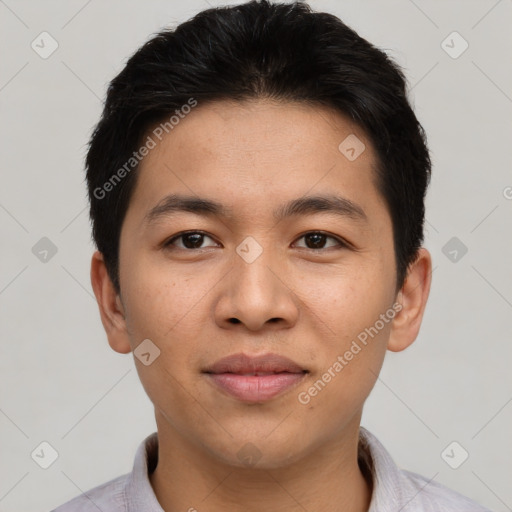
394 490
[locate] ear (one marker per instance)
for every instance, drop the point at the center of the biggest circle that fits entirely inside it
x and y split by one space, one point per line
110 305
413 299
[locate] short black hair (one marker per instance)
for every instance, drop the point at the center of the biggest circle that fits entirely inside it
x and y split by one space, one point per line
282 52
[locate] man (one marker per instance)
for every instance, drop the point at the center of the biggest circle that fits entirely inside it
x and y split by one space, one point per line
257 185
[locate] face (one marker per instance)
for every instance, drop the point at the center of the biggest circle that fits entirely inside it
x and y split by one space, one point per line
266 270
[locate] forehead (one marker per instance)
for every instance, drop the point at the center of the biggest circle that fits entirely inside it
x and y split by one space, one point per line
227 129
257 152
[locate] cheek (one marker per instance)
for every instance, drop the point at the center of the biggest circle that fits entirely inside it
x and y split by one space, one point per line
165 307
158 298
344 299
159 313
351 336
339 389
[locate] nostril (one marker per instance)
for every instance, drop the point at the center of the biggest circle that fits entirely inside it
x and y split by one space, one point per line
234 320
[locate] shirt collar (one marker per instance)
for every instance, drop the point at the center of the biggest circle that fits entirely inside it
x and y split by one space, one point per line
373 458
385 475
139 494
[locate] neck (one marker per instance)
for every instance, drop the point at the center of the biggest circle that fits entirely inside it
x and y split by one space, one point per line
327 479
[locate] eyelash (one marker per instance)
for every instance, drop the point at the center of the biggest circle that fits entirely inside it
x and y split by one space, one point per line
341 243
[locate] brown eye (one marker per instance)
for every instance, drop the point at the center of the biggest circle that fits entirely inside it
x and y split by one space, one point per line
316 240
190 240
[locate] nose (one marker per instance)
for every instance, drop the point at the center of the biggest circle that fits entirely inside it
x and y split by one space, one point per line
256 295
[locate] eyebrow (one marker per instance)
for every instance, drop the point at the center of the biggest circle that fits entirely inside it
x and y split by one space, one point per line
330 203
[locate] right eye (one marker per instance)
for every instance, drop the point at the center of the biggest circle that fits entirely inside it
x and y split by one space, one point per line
190 240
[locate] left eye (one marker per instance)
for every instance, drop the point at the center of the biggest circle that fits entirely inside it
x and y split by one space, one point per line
314 240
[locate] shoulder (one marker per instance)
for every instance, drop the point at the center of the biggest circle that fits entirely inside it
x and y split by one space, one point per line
107 497
396 488
431 496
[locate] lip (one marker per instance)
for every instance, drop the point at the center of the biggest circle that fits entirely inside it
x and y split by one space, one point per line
255 378
265 363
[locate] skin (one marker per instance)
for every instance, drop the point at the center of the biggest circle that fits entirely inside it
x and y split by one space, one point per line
304 303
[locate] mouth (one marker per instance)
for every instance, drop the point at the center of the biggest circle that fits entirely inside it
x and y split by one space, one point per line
255 378
243 364
256 374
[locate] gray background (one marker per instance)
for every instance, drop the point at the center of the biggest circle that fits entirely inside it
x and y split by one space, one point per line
60 381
